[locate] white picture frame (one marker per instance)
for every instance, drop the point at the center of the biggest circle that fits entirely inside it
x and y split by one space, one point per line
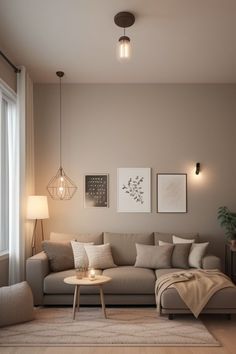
134 190
171 193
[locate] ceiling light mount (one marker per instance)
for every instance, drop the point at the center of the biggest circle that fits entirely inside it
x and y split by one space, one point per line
60 74
124 19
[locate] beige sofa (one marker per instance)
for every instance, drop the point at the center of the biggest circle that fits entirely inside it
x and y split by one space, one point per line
129 285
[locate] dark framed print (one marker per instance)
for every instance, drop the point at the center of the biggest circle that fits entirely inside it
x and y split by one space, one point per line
96 190
172 193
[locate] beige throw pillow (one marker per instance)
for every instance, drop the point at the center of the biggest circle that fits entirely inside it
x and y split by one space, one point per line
154 257
80 255
60 255
100 256
196 254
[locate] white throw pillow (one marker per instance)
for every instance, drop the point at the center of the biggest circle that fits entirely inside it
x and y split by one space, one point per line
100 256
80 255
196 254
177 239
163 243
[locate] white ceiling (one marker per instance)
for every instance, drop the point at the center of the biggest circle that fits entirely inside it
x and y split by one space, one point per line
174 41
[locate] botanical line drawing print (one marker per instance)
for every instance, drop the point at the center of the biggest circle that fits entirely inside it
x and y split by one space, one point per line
135 189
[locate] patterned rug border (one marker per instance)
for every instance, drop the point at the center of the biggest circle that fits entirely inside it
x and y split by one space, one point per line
41 343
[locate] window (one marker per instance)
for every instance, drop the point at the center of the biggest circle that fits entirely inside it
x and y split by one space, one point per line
7 119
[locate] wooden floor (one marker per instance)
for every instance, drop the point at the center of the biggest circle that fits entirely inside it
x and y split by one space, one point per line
222 329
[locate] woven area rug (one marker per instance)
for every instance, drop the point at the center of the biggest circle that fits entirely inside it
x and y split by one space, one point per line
123 327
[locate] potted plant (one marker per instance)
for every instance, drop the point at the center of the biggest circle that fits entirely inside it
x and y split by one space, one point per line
227 220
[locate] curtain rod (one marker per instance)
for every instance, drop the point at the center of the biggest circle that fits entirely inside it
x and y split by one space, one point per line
10 63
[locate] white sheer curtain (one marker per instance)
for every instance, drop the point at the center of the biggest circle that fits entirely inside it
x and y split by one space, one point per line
14 187
21 176
4 175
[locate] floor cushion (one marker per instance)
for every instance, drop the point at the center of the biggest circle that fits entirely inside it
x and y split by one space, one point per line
16 304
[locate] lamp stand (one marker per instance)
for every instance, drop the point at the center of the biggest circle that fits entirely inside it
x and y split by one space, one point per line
34 236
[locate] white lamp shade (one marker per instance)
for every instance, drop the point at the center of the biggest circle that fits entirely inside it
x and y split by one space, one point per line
37 207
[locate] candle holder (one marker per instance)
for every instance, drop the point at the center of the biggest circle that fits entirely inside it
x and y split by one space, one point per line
92 274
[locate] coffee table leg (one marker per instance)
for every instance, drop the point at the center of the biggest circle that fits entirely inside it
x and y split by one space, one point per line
75 300
102 302
78 298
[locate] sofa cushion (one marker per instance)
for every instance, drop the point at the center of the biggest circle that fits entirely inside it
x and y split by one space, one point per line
96 238
180 255
197 253
99 256
130 280
123 245
167 237
151 256
54 284
79 253
177 240
60 255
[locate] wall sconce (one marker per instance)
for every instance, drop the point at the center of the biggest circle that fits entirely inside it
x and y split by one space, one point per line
197 168
124 19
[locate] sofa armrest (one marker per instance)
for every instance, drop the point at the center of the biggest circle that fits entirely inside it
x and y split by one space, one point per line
211 262
37 267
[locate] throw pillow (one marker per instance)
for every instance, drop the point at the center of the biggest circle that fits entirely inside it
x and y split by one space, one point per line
197 252
100 256
154 257
59 254
80 255
177 239
180 255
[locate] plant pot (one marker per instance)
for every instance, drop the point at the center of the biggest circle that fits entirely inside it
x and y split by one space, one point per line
233 243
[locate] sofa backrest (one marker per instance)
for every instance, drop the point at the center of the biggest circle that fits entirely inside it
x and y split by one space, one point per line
96 238
123 245
167 237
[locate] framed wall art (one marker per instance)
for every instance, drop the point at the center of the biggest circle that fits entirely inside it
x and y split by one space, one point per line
172 193
134 190
96 191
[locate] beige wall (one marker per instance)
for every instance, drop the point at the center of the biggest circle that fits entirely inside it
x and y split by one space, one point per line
166 127
7 74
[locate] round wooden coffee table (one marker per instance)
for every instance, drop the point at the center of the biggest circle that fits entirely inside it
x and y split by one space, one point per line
98 281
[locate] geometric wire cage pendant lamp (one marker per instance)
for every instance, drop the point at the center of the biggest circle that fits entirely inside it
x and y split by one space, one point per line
61 187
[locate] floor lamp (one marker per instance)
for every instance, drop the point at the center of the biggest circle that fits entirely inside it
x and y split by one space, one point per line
37 209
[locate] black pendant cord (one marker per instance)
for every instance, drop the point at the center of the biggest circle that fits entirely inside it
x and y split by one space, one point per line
60 124
10 63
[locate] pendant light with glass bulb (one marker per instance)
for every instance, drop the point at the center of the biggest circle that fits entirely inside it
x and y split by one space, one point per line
61 187
124 19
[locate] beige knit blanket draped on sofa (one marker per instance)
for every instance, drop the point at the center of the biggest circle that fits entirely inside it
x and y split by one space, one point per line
195 287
